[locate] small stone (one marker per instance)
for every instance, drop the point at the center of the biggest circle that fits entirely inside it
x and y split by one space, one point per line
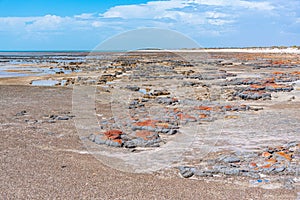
63 118
53 116
132 88
92 137
230 159
22 113
186 172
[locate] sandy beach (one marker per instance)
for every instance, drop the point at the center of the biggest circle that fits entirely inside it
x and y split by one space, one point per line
138 125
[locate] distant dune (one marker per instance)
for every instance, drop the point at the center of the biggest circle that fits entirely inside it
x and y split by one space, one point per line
236 50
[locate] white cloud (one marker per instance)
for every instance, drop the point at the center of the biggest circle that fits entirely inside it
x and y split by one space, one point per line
85 16
152 9
187 16
47 22
215 15
97 24
170 10
264 5
182 13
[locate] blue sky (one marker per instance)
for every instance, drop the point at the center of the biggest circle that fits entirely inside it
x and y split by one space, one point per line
82 24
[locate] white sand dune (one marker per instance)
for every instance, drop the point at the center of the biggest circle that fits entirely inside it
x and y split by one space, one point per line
237 50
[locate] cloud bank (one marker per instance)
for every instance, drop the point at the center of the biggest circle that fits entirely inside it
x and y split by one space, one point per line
198 19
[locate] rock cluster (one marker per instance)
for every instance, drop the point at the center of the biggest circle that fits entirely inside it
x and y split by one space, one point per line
214 75
260 88
143 130
281 160
117 138
285 76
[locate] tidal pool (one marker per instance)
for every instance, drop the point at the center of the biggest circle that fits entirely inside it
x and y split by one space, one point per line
47 82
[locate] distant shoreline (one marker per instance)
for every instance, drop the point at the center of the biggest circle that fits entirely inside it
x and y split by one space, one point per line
208 50
235 50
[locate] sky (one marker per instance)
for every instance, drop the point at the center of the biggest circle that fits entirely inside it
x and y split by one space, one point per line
83 25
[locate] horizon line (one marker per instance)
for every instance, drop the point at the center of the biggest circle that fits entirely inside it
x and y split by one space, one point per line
122 50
